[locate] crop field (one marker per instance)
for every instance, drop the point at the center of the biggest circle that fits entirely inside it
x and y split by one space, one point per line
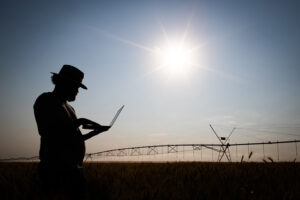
174 180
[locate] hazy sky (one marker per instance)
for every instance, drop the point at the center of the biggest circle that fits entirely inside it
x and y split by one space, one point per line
245 72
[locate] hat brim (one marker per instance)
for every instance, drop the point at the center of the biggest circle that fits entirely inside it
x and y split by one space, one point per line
79 84
83 86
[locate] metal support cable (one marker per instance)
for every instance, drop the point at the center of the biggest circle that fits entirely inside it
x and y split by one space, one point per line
278 150
296 148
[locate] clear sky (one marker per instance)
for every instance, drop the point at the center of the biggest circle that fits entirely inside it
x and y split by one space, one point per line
242 70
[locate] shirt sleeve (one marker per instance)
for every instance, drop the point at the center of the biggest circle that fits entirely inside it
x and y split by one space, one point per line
57 131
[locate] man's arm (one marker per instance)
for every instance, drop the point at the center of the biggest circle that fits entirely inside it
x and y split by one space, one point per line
95 132
87 124
56 130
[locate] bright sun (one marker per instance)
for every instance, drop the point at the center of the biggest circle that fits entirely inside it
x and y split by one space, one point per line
175 59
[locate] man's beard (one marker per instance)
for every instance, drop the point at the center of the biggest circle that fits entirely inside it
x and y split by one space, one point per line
71 98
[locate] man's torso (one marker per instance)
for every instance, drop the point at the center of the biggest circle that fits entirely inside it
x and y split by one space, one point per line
61 139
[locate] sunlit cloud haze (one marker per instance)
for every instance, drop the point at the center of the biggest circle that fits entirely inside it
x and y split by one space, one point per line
244 72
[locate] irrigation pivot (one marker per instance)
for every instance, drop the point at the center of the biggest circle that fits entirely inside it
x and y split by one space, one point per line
224 147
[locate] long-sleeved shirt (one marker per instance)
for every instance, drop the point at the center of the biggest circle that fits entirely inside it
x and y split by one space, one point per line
61 140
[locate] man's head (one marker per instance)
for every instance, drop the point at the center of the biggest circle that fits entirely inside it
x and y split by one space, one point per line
68 81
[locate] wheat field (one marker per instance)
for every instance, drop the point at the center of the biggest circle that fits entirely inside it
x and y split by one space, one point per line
174 180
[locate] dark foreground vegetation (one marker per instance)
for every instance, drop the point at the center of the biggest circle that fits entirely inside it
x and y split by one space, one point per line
166 181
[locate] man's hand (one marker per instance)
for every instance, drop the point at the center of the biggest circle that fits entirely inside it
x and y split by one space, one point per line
99 130
83 121
95 132
88 124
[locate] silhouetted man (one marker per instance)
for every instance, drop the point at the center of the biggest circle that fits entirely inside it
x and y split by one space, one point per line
62 146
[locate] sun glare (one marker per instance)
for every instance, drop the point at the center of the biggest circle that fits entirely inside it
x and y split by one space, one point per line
175 59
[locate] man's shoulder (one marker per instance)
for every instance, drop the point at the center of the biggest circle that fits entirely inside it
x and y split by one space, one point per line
45 98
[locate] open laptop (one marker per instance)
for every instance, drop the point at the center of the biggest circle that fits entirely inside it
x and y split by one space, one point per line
116 116
92 126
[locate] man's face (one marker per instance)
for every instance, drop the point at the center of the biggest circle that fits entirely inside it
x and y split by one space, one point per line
70 92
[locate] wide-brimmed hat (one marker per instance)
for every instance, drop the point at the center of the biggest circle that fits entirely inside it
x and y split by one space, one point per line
71 74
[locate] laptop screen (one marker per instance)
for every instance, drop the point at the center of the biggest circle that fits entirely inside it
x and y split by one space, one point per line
116 116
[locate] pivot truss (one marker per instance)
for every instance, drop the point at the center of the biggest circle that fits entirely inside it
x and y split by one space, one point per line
222 149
